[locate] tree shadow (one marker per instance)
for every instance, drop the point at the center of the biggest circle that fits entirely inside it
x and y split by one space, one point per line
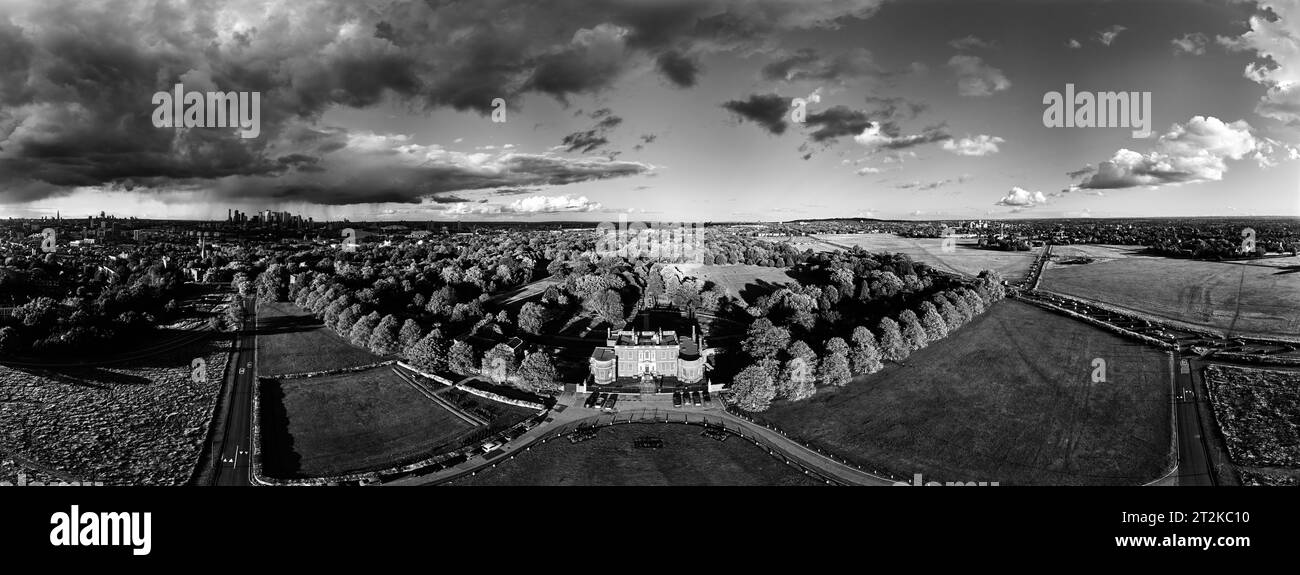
287 324
278 456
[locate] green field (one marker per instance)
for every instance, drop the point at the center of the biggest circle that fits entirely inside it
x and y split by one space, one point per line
1252 298
966 258
293 341
740 279
609 458
319 426
1007 398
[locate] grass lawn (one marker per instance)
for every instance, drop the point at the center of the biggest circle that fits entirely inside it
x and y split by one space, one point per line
142 422
1007 398
351 422
1254 297
1257 410
740 280
291 340
609 458
967 258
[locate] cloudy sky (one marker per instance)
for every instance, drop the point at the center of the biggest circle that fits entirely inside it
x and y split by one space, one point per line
659 109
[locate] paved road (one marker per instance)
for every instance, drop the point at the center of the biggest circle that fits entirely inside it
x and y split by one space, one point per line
1193 454
235 441
576 413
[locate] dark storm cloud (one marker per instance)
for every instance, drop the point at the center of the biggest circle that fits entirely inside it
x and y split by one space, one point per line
836 122
515 191
435 175
449 199
592 139
678 69
76 79
766 110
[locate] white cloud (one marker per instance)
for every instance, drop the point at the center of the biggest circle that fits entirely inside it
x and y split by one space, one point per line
1193 152
1193 43
1022 198
1277 41
1073 44
980 145
529 205
873 137
976 78
1107 35
868 170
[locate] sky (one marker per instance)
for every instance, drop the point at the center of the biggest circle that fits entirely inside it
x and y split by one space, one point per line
657 110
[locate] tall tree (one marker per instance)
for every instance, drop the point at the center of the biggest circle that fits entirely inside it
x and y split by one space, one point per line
460 357
347 319
836 345
361 331
961 304
935 328
948 312
537 373
383 340
273 284
977 305
752 390
532 316
798 380
499 363
835 369
409 335
913 331
865 355
430 353
892 346
765 339
797 375
988 285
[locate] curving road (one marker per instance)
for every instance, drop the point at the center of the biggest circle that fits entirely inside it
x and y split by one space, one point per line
575 414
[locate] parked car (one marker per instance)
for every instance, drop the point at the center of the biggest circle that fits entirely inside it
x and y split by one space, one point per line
677 399
695 396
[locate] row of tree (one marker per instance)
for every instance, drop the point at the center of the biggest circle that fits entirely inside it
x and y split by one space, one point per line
787 368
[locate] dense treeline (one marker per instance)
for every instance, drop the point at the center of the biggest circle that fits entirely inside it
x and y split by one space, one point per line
794 344
134 297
